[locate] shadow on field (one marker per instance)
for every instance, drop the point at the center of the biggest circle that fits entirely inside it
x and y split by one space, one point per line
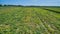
52 10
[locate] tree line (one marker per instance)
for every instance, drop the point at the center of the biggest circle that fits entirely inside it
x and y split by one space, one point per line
10 5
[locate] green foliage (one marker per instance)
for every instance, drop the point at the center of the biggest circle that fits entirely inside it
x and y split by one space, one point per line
28 20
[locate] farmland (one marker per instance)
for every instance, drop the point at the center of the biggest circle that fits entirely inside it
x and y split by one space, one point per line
29 20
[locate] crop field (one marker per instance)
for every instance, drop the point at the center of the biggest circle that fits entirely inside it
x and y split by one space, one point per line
29 20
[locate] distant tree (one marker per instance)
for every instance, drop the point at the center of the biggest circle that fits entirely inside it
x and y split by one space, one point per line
5 5
19 5
0 5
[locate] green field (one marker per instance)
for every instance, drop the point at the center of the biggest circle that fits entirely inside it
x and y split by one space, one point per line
29 20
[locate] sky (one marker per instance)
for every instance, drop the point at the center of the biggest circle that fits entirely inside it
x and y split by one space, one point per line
31 2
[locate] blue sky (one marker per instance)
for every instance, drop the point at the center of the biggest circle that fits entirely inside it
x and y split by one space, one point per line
32 2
